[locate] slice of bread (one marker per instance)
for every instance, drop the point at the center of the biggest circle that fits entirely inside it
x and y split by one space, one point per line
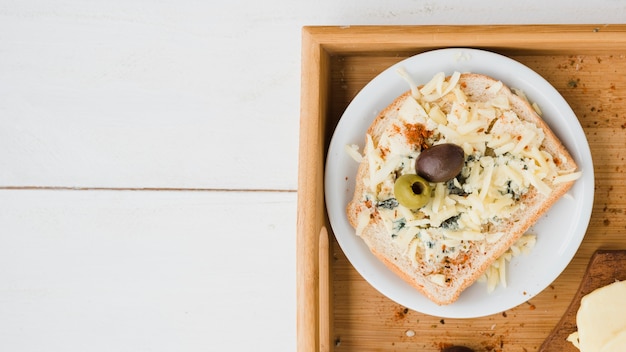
444 247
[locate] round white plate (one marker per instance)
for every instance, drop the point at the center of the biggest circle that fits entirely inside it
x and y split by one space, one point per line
559 232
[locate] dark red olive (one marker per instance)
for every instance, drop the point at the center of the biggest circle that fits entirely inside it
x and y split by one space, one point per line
457 349
440 163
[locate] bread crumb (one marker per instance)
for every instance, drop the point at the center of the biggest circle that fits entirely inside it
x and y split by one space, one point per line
410 333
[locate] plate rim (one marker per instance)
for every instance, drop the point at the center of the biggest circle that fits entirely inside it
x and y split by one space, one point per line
580 152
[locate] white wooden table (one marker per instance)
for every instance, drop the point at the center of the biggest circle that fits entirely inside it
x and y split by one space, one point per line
148 164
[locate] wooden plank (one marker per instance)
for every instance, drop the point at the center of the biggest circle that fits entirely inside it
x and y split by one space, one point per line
588 78
145 95
149 270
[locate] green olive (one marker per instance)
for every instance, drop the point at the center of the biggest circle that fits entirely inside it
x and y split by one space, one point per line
412 191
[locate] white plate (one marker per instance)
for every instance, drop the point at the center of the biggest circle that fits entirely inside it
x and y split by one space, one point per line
559 232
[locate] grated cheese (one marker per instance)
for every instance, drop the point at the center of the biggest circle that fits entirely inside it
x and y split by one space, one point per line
353 152
504 160
496 273
438 279
414 91
495 88
567 177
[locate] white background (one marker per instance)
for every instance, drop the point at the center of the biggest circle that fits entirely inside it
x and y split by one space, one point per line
148 164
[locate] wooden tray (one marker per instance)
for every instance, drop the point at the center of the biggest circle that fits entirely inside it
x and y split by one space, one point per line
337 309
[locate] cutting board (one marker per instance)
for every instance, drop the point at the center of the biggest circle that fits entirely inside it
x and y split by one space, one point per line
605 267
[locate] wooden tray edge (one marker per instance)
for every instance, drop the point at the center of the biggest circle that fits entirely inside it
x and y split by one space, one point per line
319 43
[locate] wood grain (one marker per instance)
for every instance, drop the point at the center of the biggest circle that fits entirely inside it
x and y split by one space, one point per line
311 216
325 292
583 63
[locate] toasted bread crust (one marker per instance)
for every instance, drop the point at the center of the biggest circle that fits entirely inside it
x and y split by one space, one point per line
476 262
